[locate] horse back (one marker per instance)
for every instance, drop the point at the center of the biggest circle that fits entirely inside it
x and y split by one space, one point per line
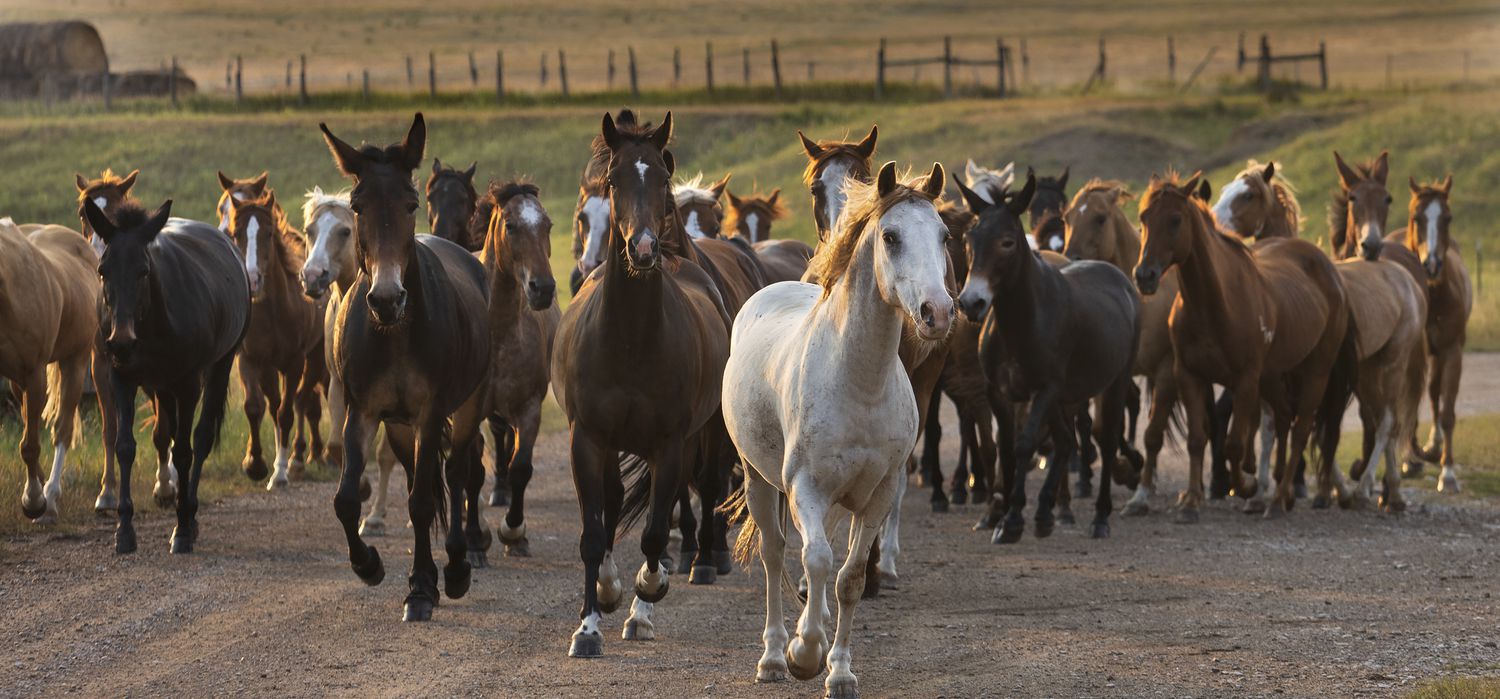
784 259
205 295
734 268
1308 298
74 266
453 330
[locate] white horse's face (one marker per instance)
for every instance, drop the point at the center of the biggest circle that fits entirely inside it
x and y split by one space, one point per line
911 263
330 243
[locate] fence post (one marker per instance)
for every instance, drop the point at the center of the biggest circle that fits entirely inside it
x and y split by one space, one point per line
1025 63
1000 65
1103 62
1239 66
473 71
708 64
562 71
611 72
776 68
635 86
947 67
745 61
172 81
1479 266
431 75
289 75
499 76
239 82
1323 64
1171 60
302 79
676 66
229 75
411 77
879 71
1265 63
365 90
544 70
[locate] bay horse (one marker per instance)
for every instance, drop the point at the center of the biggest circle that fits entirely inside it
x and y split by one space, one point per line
110 193
49 317
990 185
1271 324
1056 338
698 205
281 359
829 165
591 215
411 347
174 310
1259 203
523 320
327 276
801 354
451 202
750 218
640 355
238 190
1047 206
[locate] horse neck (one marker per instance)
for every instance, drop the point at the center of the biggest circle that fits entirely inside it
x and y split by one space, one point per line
1278 219
278 277
631 303
866 330
1015 306
506 297
1127 241
1202 281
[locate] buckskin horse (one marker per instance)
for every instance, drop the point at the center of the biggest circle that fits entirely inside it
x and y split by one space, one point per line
412 347
176 306
802 354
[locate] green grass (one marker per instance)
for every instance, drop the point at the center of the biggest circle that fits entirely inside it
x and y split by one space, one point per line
1126 137
1478 455
1459 688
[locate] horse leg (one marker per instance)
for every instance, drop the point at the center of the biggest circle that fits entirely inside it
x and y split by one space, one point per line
518 474
335 450
33 400
1453 367
463 520
959 486
365 560
504 441
286 417
807 651
841 681
422 501
1220 413
254 465
1433 450
1025 448
182 403
310 409
1304 409
889 541
478 535
1365 489
1163 401
385 458
1112 409
686 532
1270 429
67 393
109 496
124 400
1005 426
1196 396
591 472
932 464
1060 425
765 503
709 481
1082 462
167 477
651 582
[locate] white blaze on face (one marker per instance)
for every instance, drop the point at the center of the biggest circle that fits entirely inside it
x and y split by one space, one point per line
1224 209
691 225
640 167
833 191
597 209
100 202
252 266
531 213
319 260
752 226
1434 212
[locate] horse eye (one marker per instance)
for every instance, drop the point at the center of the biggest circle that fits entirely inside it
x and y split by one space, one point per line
890 238
344 232
1007 244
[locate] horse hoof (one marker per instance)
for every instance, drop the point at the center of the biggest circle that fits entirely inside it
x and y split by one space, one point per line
1066 516
499 498
181 544
33 511
1412 468
1449 484
276 484
1254 506
1187 516
1083 489
889 581
477 558
254 468
481 540
685 566
767 673
365 490
1392 506
803 673
637 630
456 579
373 571
1299 491
1101 530
1136 509
723 562
1322 502
372 528
1044 527
165 498
106 505
960 497
125 540
939 506
586 645
702 575
654 597
841 689
1008 533
1276 511
417 609
521 548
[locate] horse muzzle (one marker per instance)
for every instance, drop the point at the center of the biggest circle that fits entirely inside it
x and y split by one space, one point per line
934 320
388 306
973 305
643 251
1434 266
540 293
121 345
1371 250
1147 279
315 283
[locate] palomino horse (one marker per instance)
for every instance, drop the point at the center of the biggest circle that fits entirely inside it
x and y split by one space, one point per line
750 218
327 276
523 320
829 165
1259 203
109 193
451 200
698 205
640 355
1389 307
237 190
990 185
411 347
1268 324
281 360
50 318
176 306
1047 207
801 353
1057 338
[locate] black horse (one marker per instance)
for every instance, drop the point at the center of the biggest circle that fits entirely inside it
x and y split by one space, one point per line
412 348
176 306
1055 338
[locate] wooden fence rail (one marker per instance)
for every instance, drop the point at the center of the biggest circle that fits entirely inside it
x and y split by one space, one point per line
948 61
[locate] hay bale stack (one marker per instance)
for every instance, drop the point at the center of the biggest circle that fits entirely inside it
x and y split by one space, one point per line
38 50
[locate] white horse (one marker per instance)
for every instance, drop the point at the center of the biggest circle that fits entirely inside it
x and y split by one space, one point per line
822 412
328 228
989 184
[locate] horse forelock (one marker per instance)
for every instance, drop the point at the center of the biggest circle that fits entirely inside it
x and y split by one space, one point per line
316 200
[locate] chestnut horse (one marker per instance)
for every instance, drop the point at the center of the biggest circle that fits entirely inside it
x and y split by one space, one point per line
829 163
698 205
175 307
1272 325
750 218
640 354
411 347
49 314
237 190
281 360
1259 203
451 201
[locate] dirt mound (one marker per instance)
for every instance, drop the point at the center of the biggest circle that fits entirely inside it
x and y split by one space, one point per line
1109 152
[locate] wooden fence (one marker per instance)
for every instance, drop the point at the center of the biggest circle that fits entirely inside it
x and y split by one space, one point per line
948 61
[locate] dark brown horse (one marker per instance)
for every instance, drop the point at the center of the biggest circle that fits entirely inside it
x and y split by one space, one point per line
451 203
176 305
412 348
639 361
1268 324
591 214
1047 206
281 360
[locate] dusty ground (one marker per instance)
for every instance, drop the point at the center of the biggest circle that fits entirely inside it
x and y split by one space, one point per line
1318 604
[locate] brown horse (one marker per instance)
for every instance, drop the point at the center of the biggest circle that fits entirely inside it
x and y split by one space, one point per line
281 359
1046 210
412 348
591 214
698 205
640 354
238 190
451 203
1259 203
829 163
49 317
523 320
750 218
1270 324
110 193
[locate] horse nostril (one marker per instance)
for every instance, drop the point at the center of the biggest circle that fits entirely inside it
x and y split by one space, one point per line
401 297
927 317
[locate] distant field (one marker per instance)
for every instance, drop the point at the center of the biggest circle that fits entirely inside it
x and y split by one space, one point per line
343 37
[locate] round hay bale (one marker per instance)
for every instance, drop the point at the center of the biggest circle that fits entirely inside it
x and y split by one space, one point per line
38 51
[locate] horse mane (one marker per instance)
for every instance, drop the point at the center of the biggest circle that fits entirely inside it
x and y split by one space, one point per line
106 178
1120 189
835 149
1158 185
315 199
1338 211
1281 188
864 206
131 214
691 190
287 241
626 123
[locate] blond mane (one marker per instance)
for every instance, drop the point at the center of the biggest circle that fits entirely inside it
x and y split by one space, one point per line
864 207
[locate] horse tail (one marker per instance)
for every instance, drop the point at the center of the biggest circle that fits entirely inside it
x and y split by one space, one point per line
215 400
1339 391
52 411
747 544
1411 398
635 472
440 479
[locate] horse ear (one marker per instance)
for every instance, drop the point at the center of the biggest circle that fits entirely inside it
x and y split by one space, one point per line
1269 172
1062 181
610 132
1448 184
224 181
971 171
670 161
977 204
158 219
1411 183
102 226
1021 201
469 173
1382 167
348 159
1191 188
885 183
733 200
1205 191
259 183
415 143
812 149
934 185
81 181
1347 176
775 193
662 134
437 165
718 188
866 147
128 182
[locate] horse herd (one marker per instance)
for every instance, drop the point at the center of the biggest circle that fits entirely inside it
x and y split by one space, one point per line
704 365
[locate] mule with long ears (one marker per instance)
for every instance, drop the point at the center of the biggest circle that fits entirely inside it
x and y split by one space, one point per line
175 308
411 347
451 203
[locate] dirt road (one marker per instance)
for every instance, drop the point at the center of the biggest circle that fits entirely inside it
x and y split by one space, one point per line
1317 604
